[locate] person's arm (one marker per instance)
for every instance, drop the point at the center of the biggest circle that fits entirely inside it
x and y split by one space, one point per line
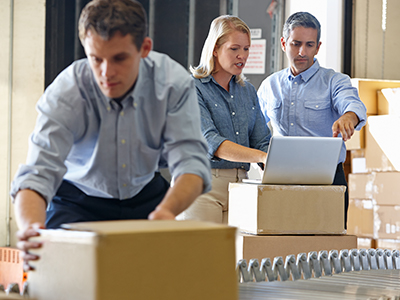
30 213
345 125
234 152
186 189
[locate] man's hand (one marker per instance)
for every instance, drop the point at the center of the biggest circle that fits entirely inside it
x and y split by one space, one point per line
25 245
345 125
161 214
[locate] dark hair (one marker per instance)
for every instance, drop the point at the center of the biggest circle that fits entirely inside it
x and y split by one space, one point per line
301 19
106 17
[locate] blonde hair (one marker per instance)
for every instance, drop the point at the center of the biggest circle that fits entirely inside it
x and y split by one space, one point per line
220 29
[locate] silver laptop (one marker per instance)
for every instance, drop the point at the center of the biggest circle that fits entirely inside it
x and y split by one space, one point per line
301 160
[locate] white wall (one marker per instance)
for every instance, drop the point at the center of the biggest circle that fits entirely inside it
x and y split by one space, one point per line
330 15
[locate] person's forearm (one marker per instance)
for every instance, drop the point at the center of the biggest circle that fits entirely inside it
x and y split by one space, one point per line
30 208
185 190
238 153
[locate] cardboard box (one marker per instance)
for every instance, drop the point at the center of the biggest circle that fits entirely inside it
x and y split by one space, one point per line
286 209
389 102
357 159
386 188
357 141
136 259
382 144
387 244
263 246
368 88
386 222
360 218
360 185
365 243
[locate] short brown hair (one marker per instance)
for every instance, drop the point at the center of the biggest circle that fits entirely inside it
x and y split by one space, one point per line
106 17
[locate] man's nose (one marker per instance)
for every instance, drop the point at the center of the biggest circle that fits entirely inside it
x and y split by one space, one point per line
302 50
107 69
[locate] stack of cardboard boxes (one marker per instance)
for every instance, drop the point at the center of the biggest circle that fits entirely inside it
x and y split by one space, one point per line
280 220
374 181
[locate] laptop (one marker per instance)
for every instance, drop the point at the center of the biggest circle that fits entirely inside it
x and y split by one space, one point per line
301 160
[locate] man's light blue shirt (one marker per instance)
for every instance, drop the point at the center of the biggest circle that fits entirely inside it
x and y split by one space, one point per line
235 116
308 104
111 149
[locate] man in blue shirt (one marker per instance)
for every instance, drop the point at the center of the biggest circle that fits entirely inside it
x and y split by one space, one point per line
308 100
105 126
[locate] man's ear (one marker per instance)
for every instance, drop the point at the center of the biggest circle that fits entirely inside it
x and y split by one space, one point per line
146 47
319 45
283 44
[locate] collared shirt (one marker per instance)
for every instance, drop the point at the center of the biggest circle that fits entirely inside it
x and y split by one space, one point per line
308 104
233 116
112 149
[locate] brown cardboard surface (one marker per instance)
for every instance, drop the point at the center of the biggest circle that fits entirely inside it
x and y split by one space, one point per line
386 222
357 141
365 243
382 145
286 209
368 88
360 185
383 105
360 218
386 188
387 244
4 296
140 259
263 246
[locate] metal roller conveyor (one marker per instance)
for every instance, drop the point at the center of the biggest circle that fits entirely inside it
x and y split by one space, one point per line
372 274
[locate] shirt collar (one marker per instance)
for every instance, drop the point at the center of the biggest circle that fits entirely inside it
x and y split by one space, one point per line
211 78
307 74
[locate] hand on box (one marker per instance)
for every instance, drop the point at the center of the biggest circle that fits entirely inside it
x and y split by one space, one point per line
345 125
25 245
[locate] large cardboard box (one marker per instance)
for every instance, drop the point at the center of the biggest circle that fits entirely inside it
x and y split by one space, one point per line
368 88
360 218
136 260
286 209
360 185
386 188
382 144
263 246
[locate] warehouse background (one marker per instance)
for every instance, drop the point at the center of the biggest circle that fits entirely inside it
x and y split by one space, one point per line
39 39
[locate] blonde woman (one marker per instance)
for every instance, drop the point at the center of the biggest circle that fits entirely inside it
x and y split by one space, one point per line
231 119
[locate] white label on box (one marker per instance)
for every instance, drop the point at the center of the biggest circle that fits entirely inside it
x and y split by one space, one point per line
255 33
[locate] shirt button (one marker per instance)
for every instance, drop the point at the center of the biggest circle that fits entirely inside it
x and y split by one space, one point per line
237 132
292 103
316 106
233 113
108 108
295 83
123 166
232 96
124 185
123 141
121 114
216 104
135 104
291 124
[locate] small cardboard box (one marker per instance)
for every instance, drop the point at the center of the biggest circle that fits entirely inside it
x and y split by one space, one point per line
387 244
360 221
386 188
263 246
11 267
136 260
360 185
389 102
366 243
286 209
382 146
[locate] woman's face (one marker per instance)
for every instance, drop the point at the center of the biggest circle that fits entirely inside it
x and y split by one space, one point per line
231 57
